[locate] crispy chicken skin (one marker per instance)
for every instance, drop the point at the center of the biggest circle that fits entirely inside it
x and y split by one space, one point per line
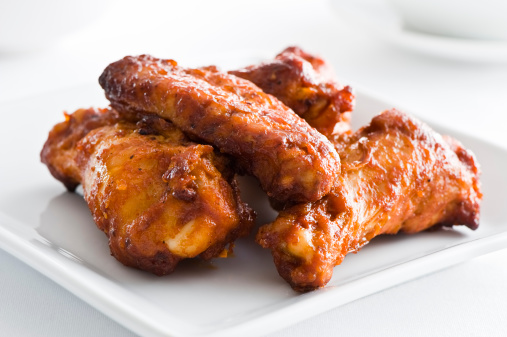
157 196
305 84
397 175
292 161
59 151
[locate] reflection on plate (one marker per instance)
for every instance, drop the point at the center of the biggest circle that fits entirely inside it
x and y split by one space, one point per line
377 18
52 231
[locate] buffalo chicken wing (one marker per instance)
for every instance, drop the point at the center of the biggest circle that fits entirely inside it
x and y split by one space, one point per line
397 175
305 84
292 161
157 196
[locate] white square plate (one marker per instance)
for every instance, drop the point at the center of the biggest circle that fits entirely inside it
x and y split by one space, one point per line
52 231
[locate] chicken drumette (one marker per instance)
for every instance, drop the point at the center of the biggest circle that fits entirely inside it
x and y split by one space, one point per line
397 175
293 162
306 85
158 197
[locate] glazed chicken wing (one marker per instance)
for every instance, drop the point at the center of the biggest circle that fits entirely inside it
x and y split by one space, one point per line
268 140
397 175
157 196
305 84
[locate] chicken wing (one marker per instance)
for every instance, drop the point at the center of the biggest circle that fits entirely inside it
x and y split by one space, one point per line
305 84
157 196
268 140
397 175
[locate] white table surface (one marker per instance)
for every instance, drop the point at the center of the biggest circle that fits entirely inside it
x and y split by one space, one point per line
469 299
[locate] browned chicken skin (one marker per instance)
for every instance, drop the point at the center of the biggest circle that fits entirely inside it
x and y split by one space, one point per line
59 152
292 161
397 175
158 197
305 84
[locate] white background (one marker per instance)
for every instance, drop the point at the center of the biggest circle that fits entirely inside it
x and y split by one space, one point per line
469 299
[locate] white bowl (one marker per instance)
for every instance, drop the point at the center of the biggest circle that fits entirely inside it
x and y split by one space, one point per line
474 19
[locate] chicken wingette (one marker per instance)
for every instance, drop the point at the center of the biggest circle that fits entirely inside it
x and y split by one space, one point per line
293 162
